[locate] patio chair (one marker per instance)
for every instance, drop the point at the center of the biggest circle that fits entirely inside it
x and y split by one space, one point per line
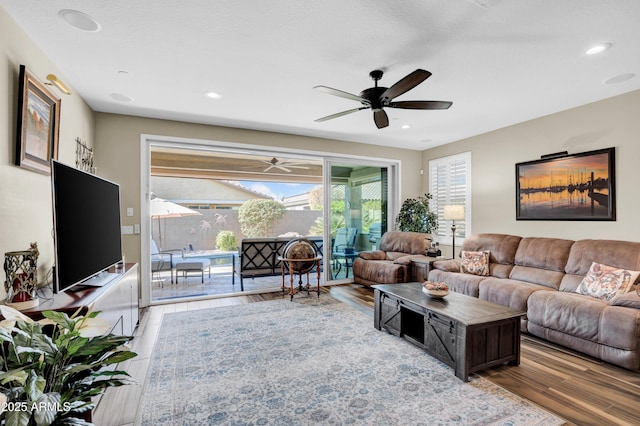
343 250
161 261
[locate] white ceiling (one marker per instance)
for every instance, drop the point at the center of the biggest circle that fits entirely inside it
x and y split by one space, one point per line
500 62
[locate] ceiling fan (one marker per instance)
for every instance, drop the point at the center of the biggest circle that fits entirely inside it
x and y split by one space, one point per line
378 98
285 166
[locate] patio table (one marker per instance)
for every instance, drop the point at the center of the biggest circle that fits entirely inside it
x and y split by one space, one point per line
215 254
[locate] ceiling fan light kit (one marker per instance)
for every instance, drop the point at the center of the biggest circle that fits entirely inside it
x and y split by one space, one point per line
377 98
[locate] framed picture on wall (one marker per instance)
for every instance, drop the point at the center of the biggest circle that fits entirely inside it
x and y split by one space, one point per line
569 187
38 124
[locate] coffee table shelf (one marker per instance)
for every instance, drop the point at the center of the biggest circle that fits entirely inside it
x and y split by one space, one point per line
466 333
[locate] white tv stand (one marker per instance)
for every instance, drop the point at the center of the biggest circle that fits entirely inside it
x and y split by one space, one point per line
116 300
100 280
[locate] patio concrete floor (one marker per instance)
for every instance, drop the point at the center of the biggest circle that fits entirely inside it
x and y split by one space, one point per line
220 283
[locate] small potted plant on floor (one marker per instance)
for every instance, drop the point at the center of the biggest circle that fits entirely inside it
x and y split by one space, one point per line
50 369
415 216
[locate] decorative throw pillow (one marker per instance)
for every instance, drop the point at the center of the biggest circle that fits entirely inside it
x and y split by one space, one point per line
604 282
475 262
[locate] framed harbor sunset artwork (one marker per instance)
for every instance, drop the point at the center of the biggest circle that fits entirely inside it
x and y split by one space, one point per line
568 187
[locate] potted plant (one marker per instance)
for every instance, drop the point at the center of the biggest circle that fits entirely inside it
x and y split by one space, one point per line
415 215
50 369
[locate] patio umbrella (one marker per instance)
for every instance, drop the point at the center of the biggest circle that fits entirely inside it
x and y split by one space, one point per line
163 209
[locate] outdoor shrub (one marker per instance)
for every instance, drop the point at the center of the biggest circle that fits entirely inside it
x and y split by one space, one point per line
257 217
337 221
226 240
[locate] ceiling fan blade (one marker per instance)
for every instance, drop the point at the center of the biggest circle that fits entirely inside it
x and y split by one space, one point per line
294 165
421 104
405 84
381 119
284 169
340 93
340 114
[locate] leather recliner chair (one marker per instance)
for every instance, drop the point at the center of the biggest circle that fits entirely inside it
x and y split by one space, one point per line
391 263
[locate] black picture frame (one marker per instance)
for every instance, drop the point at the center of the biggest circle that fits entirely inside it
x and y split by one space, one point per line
38 124
567 187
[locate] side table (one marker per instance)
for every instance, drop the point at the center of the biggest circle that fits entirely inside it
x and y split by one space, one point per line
290 264
420 266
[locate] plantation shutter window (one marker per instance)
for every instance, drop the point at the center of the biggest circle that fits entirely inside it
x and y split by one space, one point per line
450 184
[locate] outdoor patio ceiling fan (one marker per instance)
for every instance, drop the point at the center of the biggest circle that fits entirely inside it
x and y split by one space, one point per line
285 165
377 98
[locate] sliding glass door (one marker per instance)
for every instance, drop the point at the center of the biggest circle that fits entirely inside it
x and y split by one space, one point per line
356 212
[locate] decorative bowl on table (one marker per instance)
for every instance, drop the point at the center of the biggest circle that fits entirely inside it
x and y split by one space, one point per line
435 290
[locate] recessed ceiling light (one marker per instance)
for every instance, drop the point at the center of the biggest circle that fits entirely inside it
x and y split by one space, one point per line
79 20
213 95
120 97
406 126
598 48
619 78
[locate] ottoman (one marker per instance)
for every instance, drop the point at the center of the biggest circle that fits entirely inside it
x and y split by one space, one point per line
193 265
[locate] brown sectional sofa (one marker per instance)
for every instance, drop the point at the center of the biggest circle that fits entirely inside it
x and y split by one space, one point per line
540 276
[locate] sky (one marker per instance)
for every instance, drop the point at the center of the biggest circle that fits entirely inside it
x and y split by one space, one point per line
278 190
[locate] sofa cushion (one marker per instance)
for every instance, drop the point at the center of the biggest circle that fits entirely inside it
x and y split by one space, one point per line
502 248
460 283
507 292
378 272
403 260
543 253
449 265
585 318
373 255
621 254
405 242
630 300
393 255
541 261
604 282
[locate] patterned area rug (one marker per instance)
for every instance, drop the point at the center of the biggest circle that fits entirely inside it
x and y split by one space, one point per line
310 361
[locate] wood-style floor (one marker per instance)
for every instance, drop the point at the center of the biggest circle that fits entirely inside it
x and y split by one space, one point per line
577 388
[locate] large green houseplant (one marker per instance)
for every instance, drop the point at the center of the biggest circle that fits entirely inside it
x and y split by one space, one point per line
50 369
415 215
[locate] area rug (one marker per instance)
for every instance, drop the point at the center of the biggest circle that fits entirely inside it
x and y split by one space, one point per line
310 361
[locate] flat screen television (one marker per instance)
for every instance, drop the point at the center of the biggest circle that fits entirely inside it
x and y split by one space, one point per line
86 222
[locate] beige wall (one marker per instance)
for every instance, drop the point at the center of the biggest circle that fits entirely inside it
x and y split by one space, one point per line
118 155
25 196
613 122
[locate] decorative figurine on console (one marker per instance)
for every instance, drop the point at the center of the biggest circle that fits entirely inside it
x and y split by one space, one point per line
21 285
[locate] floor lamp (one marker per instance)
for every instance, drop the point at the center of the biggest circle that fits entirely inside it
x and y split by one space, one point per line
453 213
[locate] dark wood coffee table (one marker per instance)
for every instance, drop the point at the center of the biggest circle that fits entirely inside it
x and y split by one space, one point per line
466 333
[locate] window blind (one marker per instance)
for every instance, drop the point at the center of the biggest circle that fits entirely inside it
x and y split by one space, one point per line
450 183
